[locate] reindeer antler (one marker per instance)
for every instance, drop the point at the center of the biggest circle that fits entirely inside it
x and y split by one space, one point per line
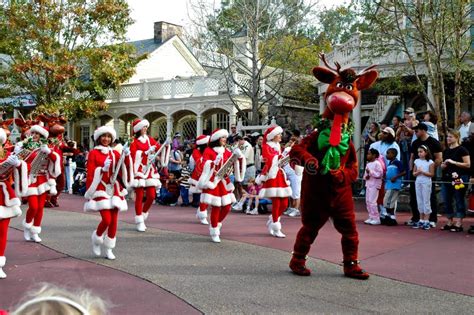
323 59
365 70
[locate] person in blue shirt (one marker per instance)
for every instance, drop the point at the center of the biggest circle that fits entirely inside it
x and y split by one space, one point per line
393 185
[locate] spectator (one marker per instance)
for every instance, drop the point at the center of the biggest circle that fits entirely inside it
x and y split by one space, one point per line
373 182
383 125
294 174
52 300
184 184
466 127
176 144
404 137
176 161
387 141
258 155
434 146
393 185
431 119
423 170
170 191
456 160
249 155
371 137
396 121
233 134
249 195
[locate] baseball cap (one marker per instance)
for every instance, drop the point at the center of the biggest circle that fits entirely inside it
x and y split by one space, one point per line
389 130
409 110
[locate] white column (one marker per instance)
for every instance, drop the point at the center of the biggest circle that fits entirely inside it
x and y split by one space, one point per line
198 125
169 126
117 126
356 118
322 103
429 92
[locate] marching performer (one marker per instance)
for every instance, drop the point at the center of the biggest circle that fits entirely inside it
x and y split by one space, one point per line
9 197
105 193
147 178
275 184
43 167
217 189
195 163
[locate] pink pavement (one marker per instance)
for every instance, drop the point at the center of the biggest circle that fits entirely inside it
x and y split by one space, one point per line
434 258
30 264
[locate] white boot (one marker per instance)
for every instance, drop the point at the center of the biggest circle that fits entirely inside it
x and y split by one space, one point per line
3 260
97 241
140 222
35 230
270 220
276 230
253 212
109 244
215 234
27 230
145 216
219 226
202 216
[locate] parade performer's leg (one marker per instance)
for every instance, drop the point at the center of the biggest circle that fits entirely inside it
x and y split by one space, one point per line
110 239
214 227
150 197
3 244
60 184
36 228
313 219
201 213
30 215
139 217
344 222
278 207
223 213
104 224
275 209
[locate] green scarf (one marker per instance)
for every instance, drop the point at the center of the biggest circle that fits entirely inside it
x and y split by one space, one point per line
332 158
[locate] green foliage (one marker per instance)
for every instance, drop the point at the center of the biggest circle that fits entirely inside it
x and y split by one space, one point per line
67 54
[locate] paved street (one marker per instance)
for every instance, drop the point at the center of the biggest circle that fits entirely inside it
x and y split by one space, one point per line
173 268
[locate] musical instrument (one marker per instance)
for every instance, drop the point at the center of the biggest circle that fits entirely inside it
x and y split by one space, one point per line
228 166
6 169
153 157
109 188
39 163
284 161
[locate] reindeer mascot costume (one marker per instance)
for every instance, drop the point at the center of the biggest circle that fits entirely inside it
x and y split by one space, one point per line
330 162
147 179
10 203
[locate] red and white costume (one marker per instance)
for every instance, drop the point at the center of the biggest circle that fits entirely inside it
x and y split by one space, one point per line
146 180
39 186
218 192
9 197
196 160
275 184
98 177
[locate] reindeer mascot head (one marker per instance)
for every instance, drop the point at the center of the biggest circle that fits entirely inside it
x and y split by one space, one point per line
331 167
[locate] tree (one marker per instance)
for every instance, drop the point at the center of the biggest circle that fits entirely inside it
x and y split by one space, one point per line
434 37
252 38
67 54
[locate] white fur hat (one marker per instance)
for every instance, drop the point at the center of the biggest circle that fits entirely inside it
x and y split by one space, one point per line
272 132
203 139
103 130
218 133
139 124
3 136
40 129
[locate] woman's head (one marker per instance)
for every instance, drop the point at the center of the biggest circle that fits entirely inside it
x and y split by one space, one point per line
431 117
374 127
105 139
372 155
454 137
424 153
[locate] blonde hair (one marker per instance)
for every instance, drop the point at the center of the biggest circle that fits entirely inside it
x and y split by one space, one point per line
456 134
53 300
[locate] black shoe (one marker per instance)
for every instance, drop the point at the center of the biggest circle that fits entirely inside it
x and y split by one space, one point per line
471 230
455 228
383 220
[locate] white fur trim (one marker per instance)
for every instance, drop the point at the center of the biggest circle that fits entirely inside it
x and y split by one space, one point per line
39 129
54 168
144 139
138 162
95 182
98 240
8 200
3 136
102 149
202 141
39 190
103 130
219 150
276 226
273 171
276 131
110 242
214 231
218 201
27 225
150 182
20 177
165 155
221 133
127 175
142 124
3 259
274 145
194 190
52 187
206 175
201 214
106 204
35 229
239 170
275 192
139 219
10 212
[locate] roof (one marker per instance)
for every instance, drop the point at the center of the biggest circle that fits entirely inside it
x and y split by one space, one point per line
145 46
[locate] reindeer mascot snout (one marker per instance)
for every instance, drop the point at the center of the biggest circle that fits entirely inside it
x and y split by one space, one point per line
330 162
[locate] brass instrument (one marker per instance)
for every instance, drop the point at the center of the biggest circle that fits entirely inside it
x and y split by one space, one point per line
228 166
109 188
39 163
284 161
6 169
153 157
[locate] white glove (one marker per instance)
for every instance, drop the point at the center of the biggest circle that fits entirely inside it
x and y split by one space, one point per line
151 150
44 148
106 166
18 147
237 152
287 150
126 151
13 160
218 159
167 142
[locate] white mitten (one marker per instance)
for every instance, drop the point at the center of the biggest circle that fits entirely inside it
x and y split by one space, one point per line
18 147
126 151
151 150
13 160
45 149
106 166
